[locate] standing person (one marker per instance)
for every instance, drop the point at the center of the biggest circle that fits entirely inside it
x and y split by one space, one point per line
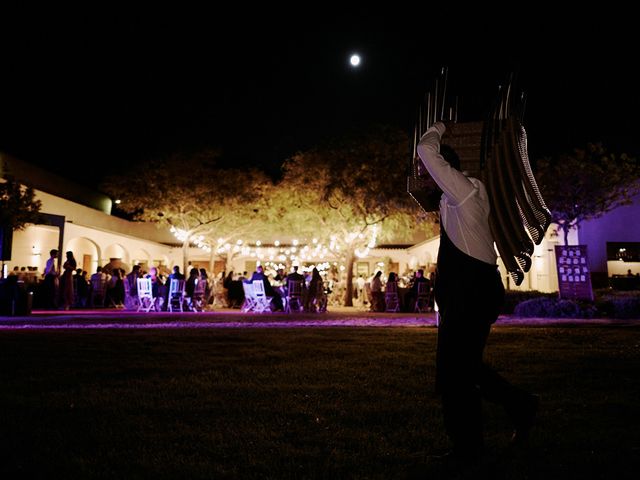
132 280
81 285
469 294
66 281
50 284
313 295
377 302
360 285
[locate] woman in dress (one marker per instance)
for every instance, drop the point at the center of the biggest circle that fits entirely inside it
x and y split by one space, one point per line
66 281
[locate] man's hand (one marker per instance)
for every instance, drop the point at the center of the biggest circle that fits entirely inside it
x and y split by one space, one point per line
450 127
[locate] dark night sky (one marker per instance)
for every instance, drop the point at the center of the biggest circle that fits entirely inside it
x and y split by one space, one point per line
87 93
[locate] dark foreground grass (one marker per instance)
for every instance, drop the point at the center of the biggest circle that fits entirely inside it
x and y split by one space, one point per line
305 403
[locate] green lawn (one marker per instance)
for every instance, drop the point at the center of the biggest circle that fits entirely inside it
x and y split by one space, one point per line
302 403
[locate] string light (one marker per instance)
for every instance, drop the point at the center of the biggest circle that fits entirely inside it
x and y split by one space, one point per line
294 252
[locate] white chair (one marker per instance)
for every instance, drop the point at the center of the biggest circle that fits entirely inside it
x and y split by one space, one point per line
391 299
176 295
146 300
249 304
263 303
294 296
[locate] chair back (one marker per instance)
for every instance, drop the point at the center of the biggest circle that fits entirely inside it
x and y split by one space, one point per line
176 287
176 295
99 285
258 288
263 303
144 287
392 287
423 298
197 301
294 288
249 297
248 289
423 289
391 299
201 287
146 301
98 291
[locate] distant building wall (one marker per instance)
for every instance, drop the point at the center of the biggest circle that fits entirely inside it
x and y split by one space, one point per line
619 225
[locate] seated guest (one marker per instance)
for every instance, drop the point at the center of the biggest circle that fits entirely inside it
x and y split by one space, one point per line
190 284
276 300
176 274
132 278
412 295
295 276
115 291
156 281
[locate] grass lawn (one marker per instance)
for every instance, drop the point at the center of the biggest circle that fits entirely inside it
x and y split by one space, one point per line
303 403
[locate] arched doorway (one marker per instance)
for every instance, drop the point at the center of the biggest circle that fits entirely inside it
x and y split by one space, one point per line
85 251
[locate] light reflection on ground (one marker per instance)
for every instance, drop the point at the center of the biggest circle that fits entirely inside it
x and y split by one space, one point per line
101 319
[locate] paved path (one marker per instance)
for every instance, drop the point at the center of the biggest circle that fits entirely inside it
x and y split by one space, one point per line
228 318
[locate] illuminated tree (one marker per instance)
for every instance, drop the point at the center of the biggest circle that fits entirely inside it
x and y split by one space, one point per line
351 194
18 207
191 195
586 184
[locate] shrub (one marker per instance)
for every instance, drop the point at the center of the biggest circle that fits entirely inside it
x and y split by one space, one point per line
628 307
618 304
559 308
513 297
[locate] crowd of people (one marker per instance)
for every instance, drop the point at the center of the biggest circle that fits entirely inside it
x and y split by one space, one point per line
313 294
112 286
377 291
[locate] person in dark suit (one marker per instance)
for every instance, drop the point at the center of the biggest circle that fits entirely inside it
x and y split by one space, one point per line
412 295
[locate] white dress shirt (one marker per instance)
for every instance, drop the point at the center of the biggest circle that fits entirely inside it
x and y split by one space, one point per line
464 205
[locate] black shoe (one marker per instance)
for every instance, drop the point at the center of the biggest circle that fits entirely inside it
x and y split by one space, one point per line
523 420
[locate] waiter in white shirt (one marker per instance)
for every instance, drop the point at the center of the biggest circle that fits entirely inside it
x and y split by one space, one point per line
469 294
51 280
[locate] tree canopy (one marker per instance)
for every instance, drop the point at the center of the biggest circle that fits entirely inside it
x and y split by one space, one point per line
191 194
18 205
351 193
586 184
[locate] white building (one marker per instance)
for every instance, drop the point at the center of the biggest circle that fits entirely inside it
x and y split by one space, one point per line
79 220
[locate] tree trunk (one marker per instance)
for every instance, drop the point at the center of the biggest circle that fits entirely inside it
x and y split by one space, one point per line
185 256
212 262
565 230
348 296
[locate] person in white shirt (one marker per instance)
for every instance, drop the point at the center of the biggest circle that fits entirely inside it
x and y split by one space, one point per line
50 280
469 293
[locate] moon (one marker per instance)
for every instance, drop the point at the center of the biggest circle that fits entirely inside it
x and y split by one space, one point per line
354 60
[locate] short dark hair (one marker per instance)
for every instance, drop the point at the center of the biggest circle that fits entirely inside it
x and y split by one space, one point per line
450 155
